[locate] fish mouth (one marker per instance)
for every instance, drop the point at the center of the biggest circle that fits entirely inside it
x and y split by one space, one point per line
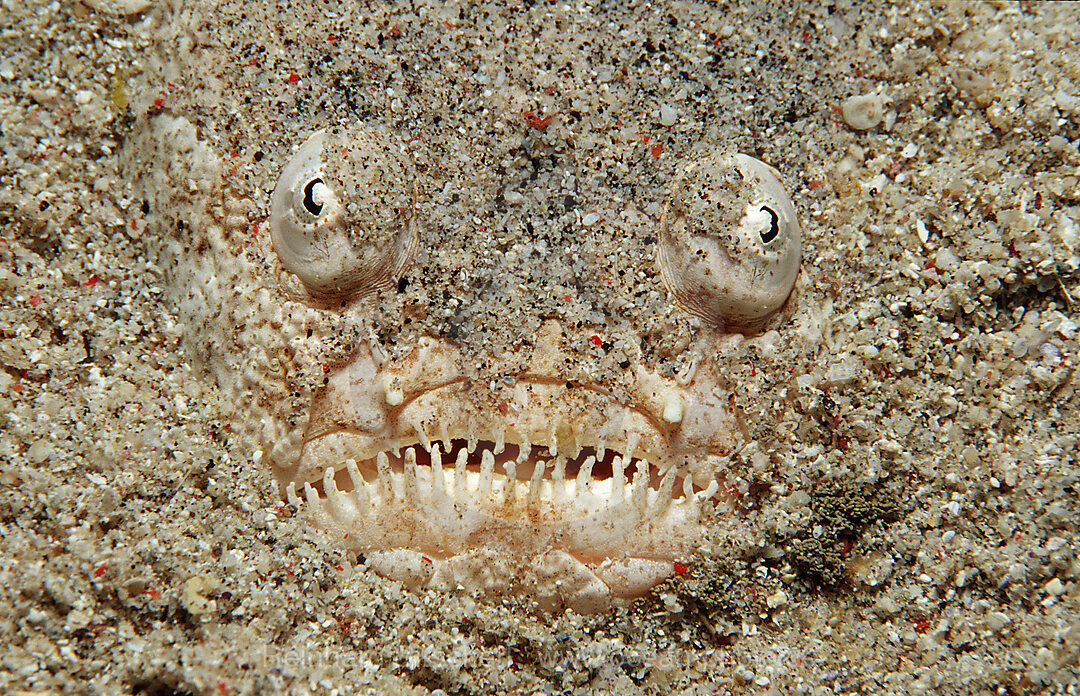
444 498
439 480
586 531
447 467
486 464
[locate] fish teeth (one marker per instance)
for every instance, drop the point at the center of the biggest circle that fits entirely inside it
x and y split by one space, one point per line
618 484
411 483
549 482
631 447
312 497
639 489
461 474
337 503
663 496
487 471
360 488
386 477
510 487
438 481
584 476
472 438
573 441
422 435
330 489
535 484
558 480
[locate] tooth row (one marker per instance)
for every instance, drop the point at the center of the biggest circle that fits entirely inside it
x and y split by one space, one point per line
411 485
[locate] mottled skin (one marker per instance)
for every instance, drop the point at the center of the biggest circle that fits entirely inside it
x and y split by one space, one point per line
532 311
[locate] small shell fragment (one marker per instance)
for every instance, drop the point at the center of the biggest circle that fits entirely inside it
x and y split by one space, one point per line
971 82
667 116
863 112
120 8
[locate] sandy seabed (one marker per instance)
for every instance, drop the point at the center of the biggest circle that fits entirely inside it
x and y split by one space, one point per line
912 518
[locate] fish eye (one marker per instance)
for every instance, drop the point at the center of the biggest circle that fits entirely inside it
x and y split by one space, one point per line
341 216
730 244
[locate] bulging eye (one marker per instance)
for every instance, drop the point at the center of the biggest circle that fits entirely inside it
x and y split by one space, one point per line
342 214
730 244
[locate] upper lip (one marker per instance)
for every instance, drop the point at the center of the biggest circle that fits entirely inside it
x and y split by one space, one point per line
628 429
373 405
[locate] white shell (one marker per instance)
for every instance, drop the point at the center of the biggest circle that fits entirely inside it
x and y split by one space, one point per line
730 244
863 112
341 216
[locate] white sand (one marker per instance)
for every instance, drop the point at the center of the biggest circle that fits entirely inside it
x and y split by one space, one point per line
927 370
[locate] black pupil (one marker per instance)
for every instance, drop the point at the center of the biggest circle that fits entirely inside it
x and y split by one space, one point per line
774 226
309 201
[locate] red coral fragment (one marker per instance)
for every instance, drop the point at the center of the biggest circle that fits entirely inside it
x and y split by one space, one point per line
536 122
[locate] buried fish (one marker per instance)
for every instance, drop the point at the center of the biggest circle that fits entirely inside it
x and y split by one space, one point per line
493 367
